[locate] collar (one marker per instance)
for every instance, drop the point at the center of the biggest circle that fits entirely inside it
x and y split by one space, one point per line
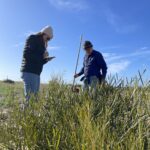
90 54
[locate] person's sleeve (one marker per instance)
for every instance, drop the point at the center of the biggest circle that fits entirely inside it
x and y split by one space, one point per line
81 72
45 61
30 53
102 64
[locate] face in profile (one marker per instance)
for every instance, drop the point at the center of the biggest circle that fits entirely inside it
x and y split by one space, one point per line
88 50
46 38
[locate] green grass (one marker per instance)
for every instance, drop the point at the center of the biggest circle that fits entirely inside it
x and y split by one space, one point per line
118 118
9 90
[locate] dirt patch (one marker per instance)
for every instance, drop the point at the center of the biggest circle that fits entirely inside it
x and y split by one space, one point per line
4 114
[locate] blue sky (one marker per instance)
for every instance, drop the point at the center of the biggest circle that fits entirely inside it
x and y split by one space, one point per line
118 28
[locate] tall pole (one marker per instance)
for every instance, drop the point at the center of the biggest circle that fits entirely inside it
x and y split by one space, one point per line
81 38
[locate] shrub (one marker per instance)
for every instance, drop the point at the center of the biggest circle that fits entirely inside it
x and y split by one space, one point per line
117 118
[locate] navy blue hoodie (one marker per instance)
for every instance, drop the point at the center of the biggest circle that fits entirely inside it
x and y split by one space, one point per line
94 65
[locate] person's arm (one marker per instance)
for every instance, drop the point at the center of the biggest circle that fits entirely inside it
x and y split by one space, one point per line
45 57
46 60
80 73
102 64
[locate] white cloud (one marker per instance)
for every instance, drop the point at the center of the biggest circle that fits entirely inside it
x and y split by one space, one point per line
118 67
114 57
53 48
144 48
118 23
107 55
69 4
118 63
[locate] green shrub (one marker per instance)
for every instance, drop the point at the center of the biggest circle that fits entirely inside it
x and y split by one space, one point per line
117 118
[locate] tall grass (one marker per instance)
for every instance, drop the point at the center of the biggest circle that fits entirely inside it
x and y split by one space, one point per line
117 118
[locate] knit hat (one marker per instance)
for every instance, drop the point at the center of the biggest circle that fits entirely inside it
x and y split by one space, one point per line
87 44
48 31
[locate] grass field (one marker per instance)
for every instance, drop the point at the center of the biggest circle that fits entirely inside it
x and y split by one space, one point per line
9 90
117 118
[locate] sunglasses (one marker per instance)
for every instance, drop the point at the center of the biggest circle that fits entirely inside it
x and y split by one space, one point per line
87 48
48 39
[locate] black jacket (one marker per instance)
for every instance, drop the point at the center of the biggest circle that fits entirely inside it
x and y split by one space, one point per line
34 49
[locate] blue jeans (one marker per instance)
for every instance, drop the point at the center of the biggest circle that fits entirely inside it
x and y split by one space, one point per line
31 84
90 83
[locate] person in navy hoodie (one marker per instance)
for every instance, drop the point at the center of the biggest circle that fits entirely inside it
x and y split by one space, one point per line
94 67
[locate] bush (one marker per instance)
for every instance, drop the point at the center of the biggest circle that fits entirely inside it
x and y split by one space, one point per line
117 118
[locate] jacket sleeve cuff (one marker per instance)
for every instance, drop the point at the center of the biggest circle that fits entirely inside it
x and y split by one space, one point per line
45 61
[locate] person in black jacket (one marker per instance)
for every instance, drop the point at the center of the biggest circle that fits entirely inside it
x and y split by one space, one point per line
35 56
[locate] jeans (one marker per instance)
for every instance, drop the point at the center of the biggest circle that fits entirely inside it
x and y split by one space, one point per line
31 84
91 84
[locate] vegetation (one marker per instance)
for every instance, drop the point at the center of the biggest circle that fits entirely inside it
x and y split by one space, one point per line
116 118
